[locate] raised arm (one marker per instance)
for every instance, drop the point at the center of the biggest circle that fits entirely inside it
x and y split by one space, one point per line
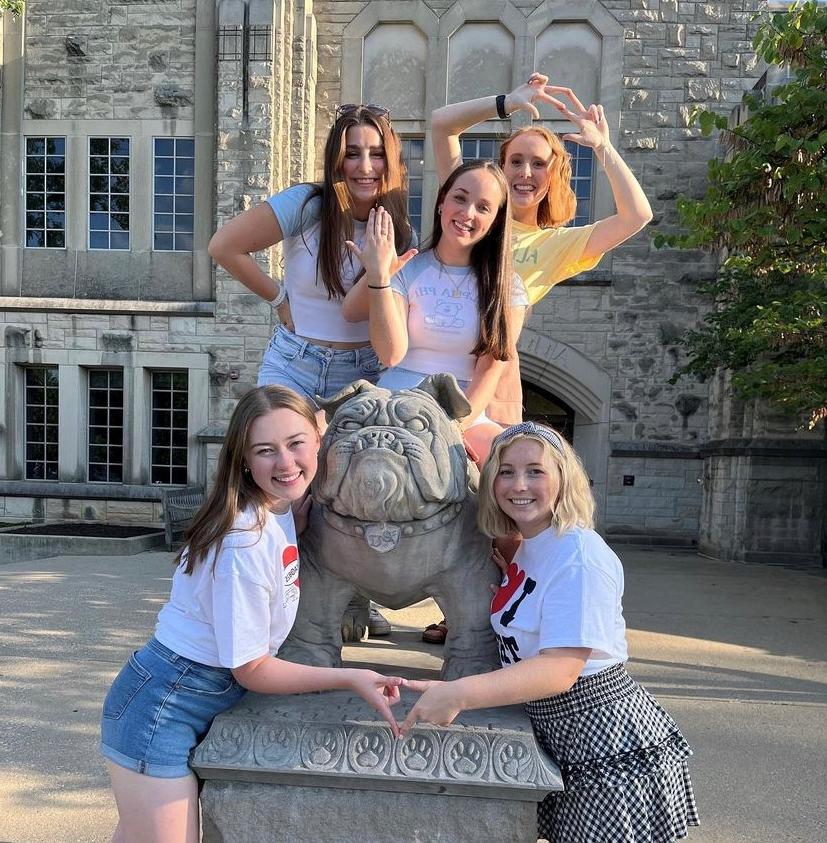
633 209
387 311
450 121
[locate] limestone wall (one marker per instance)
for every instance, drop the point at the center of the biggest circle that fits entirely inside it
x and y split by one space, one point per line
134 62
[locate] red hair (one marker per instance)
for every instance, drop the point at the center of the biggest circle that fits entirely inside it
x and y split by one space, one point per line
559 205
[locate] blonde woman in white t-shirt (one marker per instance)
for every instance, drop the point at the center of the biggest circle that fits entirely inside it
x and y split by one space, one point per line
558 619
234 596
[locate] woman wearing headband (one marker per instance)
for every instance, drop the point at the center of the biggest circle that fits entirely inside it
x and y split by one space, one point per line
538 170
314 350
558 620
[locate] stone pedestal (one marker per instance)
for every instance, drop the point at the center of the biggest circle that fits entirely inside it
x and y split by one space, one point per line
321 767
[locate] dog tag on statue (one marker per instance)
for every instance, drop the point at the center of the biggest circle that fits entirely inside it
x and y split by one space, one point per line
382 537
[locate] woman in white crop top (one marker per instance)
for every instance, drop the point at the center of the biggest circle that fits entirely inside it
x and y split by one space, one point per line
315 351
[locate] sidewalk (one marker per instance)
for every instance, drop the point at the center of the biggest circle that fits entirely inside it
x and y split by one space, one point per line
738 654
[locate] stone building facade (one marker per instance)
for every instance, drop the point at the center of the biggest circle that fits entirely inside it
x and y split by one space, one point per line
132 128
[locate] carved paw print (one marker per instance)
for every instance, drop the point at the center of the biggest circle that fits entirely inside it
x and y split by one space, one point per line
369 750
513 758
466 757
227 743
323 748
418 753
277 737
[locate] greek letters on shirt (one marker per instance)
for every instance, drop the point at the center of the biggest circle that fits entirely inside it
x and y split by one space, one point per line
290 566
515 587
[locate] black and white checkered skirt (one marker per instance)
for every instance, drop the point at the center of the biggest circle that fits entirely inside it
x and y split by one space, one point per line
623 761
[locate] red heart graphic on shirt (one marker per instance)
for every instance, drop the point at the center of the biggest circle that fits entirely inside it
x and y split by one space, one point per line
290 556
514 579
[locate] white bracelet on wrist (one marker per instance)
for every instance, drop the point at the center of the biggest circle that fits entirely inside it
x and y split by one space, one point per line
282 295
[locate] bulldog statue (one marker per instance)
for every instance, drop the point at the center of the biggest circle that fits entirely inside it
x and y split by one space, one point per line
394 519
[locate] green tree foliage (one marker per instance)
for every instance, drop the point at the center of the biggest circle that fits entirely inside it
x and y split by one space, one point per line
765 210
13 6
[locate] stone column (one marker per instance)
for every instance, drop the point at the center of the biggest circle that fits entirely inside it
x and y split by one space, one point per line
204 130
764 484
11 118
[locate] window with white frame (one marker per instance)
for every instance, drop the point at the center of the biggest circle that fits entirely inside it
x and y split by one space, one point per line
413 154
105 429
170 420
41 422
45 192
173 194
109 160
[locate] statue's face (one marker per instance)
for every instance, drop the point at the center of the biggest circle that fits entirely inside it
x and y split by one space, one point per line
391 457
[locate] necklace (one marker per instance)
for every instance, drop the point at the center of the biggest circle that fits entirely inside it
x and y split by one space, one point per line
458 286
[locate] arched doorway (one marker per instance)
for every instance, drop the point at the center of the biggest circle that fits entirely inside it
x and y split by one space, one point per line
541 406
561 383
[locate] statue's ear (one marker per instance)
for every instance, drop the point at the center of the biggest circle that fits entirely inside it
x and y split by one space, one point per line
330 405
445 389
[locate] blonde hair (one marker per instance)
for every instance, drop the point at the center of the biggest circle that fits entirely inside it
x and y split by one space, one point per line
574 506
235 489
559 205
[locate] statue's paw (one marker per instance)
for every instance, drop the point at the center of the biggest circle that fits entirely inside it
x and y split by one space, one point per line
354 626
323 748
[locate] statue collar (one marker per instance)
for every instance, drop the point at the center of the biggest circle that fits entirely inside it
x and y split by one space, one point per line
383 536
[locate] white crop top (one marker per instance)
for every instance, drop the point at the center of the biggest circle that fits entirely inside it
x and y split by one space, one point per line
443 316
314 314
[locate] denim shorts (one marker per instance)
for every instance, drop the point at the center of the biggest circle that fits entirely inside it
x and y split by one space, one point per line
315 370
160 707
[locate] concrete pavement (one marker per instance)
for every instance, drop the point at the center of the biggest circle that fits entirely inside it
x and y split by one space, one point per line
738 654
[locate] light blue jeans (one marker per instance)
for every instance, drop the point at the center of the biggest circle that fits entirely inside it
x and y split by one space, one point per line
315 370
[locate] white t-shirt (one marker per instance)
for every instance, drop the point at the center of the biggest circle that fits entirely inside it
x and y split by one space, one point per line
243 606
443 316
562 591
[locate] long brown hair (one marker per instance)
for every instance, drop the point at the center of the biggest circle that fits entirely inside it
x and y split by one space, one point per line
559 205
336 203
234 489
490 262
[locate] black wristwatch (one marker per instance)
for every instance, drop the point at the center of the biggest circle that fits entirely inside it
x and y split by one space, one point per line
501 112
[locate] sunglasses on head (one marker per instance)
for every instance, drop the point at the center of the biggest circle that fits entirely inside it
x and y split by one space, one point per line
371 108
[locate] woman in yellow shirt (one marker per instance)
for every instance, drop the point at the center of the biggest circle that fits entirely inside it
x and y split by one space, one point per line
546 252
538 170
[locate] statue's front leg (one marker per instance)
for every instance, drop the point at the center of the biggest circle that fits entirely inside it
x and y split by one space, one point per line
316 637
465 600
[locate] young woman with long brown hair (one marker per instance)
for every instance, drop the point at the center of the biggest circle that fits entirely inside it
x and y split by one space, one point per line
234 596
315 350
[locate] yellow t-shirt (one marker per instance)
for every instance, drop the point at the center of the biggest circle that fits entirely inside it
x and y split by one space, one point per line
544 257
